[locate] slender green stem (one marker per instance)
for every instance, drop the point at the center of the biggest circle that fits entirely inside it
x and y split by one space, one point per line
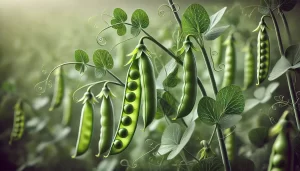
177 59
223 149
286 26
117 78
212 136
288 75
175 12
191 155
209 68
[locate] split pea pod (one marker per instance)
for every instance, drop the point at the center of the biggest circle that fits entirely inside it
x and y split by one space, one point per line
86 124
107 121
230 61
67 111
282 156
263 52
19 122
149 94
189 89
249 70
130 110
58 89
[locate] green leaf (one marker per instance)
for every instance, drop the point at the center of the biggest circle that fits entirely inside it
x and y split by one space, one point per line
281 66
100 72
173 141
122 30
228 121
292 53
209 164
103 59
206 111
195 20
140 19
120 14
215 32
170 138
230 100
172 80
81 56
258 136
215 18
135 31
168 103
116 24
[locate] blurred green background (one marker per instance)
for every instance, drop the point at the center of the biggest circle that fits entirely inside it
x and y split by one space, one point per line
37 35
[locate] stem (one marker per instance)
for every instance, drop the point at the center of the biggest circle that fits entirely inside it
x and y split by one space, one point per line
223 149
286 26
117 78
212 136
209 68
177 59
175 12
293 97
288 76
191 155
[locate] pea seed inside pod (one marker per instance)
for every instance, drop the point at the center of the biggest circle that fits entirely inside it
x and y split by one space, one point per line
123 132
263 51
132 85
118 144
126 120
134 74
130 97
263 37
263 58
278 160
263 45
128 108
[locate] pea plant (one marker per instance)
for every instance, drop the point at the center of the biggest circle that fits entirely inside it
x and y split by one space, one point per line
153 98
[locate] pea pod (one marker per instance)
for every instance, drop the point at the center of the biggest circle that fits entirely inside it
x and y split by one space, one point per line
230 61
282 156
58 89
263 52
189 89
249 61
130 110
19 122
230 143
220 48
149 94
67 111
86 124
107 121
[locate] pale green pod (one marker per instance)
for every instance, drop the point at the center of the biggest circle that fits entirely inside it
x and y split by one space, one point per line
230 62
218 44
67 104
130 112
19 122
249 66
149 94
58 89
230 143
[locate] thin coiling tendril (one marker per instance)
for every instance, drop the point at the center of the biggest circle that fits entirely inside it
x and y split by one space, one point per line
221 66
162 12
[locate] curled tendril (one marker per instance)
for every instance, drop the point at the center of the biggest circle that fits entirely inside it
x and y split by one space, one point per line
125 162
101 40
39 88
221 66
162 12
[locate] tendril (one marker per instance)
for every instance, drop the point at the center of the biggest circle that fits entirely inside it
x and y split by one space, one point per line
101 41
221 66
123 42
125 162
107 15
162 12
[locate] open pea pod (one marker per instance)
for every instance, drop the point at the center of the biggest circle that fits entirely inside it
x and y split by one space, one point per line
19 122
130 110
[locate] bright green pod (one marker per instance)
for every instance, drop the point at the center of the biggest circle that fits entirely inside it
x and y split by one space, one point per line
220 48
128 120
67 111
149 94
19 122
58 89
263 53
189 89
107 122
86 125
249 65
230 143
282 156
230 62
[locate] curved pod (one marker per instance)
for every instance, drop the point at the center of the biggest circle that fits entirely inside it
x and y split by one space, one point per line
58 89
85 128
189 89
149 94
130 111
107 122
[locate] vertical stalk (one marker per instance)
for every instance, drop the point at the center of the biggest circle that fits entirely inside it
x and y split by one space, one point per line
288 75
286 26
223 149
173 7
